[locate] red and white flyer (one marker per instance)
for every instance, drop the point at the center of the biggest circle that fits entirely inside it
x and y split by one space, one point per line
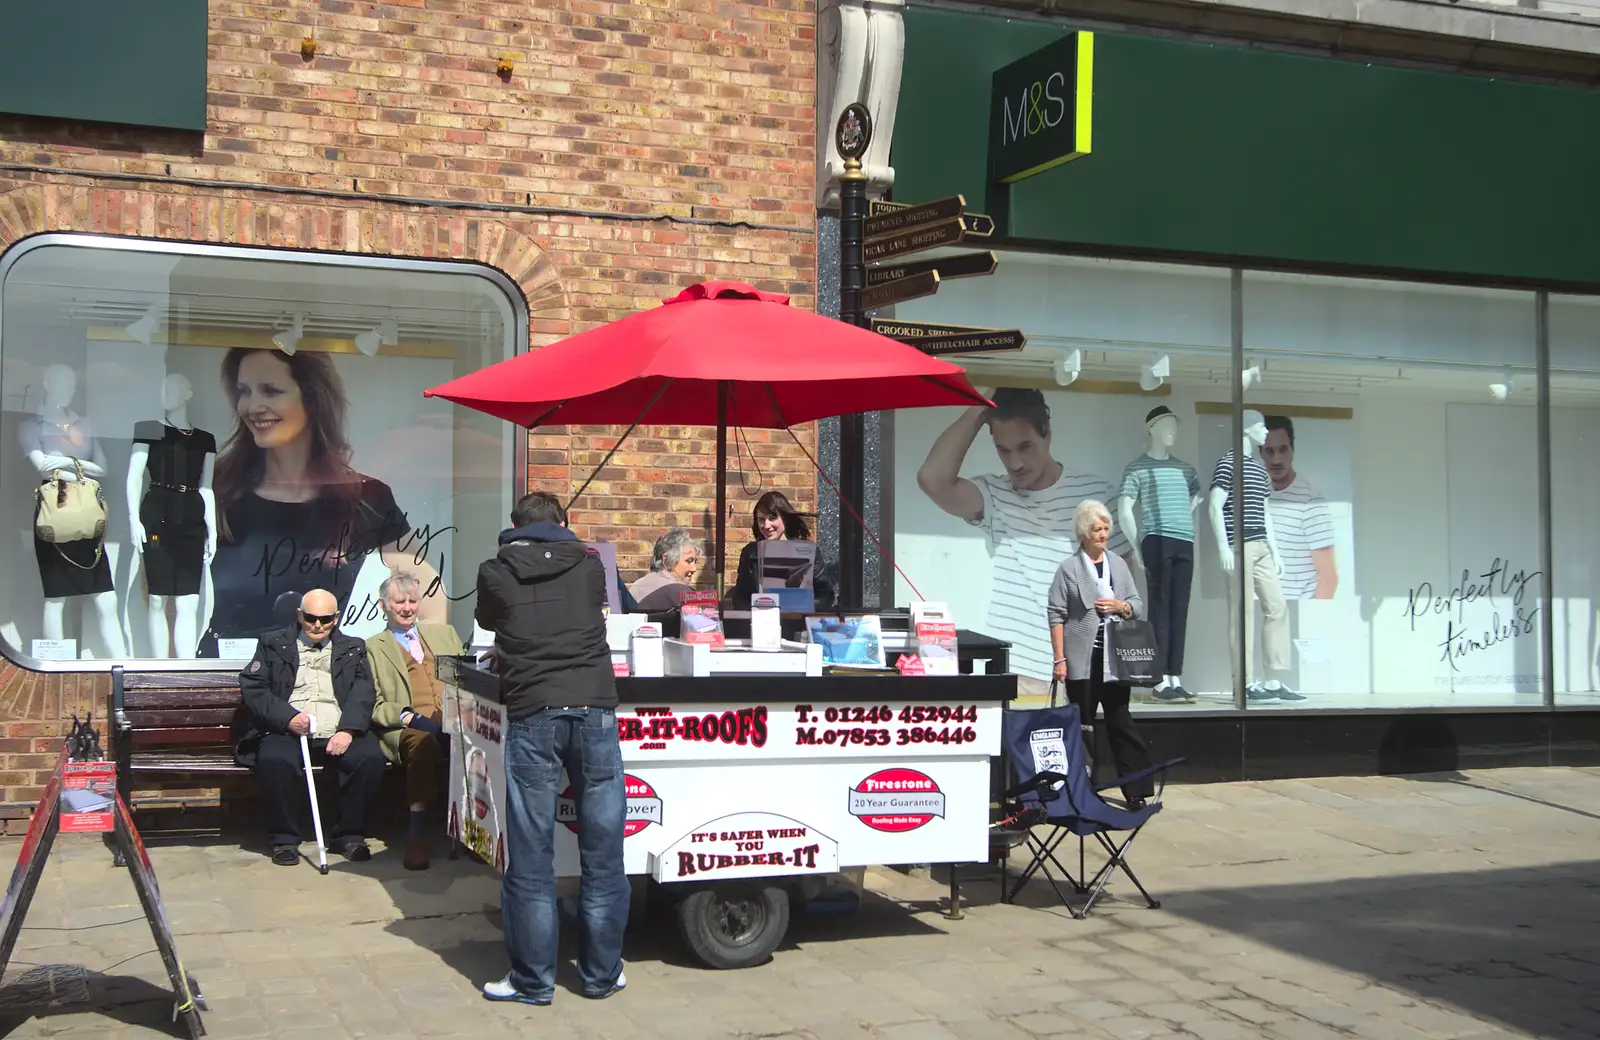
701 619
933 633
88 797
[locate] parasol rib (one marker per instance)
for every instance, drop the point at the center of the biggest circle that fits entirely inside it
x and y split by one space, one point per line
625 433
836 493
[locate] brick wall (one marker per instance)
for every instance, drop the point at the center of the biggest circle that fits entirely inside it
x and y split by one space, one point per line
635 149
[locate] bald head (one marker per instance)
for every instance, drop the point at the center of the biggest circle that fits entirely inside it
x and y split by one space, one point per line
319 612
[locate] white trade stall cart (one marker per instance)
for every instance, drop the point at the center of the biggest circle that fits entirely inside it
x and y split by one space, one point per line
740 785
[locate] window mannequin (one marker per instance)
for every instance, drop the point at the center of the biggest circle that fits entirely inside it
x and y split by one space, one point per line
1261 559
174 523
1160 494
74 569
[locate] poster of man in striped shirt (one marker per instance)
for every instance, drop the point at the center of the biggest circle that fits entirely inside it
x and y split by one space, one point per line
1301 519
1026 511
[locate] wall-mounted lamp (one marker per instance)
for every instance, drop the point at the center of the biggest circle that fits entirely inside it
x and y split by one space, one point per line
505 68
1067 366
1504 387
288 341
308 48
143 328
1151 376
1251 376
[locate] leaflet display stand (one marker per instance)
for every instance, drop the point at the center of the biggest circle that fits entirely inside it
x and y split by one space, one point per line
42 831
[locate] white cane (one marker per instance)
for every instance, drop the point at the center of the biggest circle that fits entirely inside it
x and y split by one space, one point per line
311 789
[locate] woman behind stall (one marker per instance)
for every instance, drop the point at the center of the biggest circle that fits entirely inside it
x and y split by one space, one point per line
775 519
673 564
293 514
1092 588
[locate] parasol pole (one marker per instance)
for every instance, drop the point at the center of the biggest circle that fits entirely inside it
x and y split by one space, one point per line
722 480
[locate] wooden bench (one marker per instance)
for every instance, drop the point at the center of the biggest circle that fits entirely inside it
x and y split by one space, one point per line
171 727
174 724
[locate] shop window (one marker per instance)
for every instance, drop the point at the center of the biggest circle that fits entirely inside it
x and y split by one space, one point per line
265 403
1126 366
1398 425
1575 496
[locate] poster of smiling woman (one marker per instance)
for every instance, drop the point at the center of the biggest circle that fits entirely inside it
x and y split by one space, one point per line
294 510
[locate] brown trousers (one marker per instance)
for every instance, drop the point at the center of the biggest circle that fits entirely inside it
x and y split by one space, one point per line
420 756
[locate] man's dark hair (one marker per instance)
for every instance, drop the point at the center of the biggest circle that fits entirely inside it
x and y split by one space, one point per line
1027 405
1281 422
538 507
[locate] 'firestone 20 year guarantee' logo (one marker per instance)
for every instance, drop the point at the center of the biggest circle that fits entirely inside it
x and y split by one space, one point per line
896 800
644 807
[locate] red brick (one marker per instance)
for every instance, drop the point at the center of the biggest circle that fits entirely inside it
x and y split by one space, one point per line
699 109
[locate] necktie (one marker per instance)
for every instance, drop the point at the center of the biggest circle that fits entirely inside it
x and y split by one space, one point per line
414 645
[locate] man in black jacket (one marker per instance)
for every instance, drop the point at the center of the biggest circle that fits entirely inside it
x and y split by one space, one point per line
542 596
311 679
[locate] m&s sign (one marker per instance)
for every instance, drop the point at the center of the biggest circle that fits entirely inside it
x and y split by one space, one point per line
1041 109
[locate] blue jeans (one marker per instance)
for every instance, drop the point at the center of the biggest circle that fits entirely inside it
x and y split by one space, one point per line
585 741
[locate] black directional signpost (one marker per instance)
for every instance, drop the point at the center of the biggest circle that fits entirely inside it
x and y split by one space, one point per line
961 265
898 290
871 235
939 339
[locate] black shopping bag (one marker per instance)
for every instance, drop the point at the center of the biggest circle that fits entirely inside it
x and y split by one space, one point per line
1133 653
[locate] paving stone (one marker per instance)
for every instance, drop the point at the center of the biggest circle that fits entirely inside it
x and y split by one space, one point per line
1094 1010
1133 1027
1482 931
1251 1010
1217 1029
1043 1023
1180 1012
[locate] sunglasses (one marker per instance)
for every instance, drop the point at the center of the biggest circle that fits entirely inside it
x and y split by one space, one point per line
318 619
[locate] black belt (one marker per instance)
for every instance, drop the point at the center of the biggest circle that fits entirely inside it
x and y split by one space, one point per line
173 487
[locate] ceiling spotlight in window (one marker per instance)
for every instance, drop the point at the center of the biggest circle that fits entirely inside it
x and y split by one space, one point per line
1067 366
1151 376
369 341
1251 376
1503 387
143 328
288 340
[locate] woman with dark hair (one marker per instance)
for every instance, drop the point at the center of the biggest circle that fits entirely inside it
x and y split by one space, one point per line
775 519
293 515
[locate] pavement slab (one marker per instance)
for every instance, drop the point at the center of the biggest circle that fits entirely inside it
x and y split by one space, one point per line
1450 907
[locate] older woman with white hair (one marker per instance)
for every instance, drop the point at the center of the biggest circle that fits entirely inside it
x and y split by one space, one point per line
1092 590
673 564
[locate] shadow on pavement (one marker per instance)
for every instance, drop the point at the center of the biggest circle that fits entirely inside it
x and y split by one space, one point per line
1518 946
465 932
54 989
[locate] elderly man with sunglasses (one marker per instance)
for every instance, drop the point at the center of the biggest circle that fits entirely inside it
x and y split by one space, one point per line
311 679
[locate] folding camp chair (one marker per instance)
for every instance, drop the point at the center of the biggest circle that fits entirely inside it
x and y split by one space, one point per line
1055 791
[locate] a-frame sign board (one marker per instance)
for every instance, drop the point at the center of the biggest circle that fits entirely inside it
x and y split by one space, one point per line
187 1001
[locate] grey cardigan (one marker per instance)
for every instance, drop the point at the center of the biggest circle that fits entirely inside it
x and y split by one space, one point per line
1071 603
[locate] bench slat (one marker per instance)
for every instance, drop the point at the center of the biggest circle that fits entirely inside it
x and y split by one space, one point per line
181 717
166 681
178 764
182 699
190 735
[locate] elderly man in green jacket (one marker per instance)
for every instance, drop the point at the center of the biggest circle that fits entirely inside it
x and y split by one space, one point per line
409 712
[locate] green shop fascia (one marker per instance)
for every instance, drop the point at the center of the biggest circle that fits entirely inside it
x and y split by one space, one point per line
1118 141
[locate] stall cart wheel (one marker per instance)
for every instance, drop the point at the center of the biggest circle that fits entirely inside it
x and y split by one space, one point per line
734 925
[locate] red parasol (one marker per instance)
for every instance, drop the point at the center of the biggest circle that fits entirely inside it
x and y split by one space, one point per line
718 353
